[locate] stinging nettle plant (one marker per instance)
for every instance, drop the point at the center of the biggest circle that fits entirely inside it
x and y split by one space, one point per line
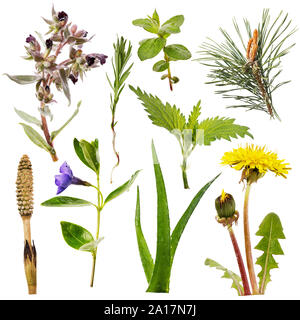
158 272
121 71
249 71
50 72
189 133
76 236
150 48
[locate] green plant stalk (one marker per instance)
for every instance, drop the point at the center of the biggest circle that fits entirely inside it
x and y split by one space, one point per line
99 209
184 174
248 249
169 72
240 262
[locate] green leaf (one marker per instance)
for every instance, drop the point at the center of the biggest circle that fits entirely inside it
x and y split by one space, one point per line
175 21
193 117
177 52
160 66
177 233
65 85
162 268
28 118
164 116
79 152
155 17
146 24
145 254
91 246
66 202
124 187
56 132
222 128
151 48
90 153
35 137
271 230
75 235
237 281
23 79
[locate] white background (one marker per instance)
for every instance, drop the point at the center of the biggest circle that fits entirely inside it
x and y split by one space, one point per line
64 273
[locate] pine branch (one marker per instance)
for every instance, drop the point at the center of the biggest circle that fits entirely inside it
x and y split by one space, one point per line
256 77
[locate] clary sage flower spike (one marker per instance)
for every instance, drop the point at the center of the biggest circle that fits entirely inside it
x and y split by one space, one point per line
50 72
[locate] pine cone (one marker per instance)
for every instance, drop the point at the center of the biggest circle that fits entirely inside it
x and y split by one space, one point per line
25 187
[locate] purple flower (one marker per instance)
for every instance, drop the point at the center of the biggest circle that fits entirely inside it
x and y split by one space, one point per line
62 16
73 78
102 58
91 58
66 178
49 43
30 39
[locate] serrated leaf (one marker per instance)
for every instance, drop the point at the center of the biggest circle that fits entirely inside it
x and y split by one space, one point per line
75 235
65 85
162 267
193 117
66 202
160 66
177 52
23 79
122 188
222 128
237 281
35 137
150 48
144 251
91 246
56 132
146 24
271 230
28 118
164 116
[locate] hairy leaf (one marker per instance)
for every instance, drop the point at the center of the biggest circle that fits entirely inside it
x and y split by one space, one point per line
236 280
193 117
23 79
161 115
271 230
28 118
222 128
35 137
65 85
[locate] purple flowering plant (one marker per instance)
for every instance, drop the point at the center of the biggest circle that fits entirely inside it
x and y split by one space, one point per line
50 72
76 236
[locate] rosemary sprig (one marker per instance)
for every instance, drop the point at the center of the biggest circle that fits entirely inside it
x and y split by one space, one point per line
254 72
119 62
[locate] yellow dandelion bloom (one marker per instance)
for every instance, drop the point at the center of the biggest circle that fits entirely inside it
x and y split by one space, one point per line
255 159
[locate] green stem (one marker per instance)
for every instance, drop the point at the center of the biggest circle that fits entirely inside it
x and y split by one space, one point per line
248 249
99 208
169 72
184 174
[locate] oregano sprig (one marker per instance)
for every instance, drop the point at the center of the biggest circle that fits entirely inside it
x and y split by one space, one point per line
150 48
191 132
76 236
121 72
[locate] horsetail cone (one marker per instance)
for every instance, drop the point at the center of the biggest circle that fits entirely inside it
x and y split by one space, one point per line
25 207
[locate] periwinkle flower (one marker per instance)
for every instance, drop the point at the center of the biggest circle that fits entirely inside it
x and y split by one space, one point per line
66 178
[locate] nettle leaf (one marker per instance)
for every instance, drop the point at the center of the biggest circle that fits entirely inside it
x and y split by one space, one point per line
125 187
91 246
237 281
28 118
271 230
55 133
193 117
66 202
222 128
35 137
75 235
164 116
65 85
23 79
150 48
160 66
177 52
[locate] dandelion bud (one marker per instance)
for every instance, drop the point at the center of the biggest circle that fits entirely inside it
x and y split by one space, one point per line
225 205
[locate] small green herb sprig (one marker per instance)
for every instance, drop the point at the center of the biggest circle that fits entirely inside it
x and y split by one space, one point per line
150 48
250 72
192 132
76 236
119 62
158 273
